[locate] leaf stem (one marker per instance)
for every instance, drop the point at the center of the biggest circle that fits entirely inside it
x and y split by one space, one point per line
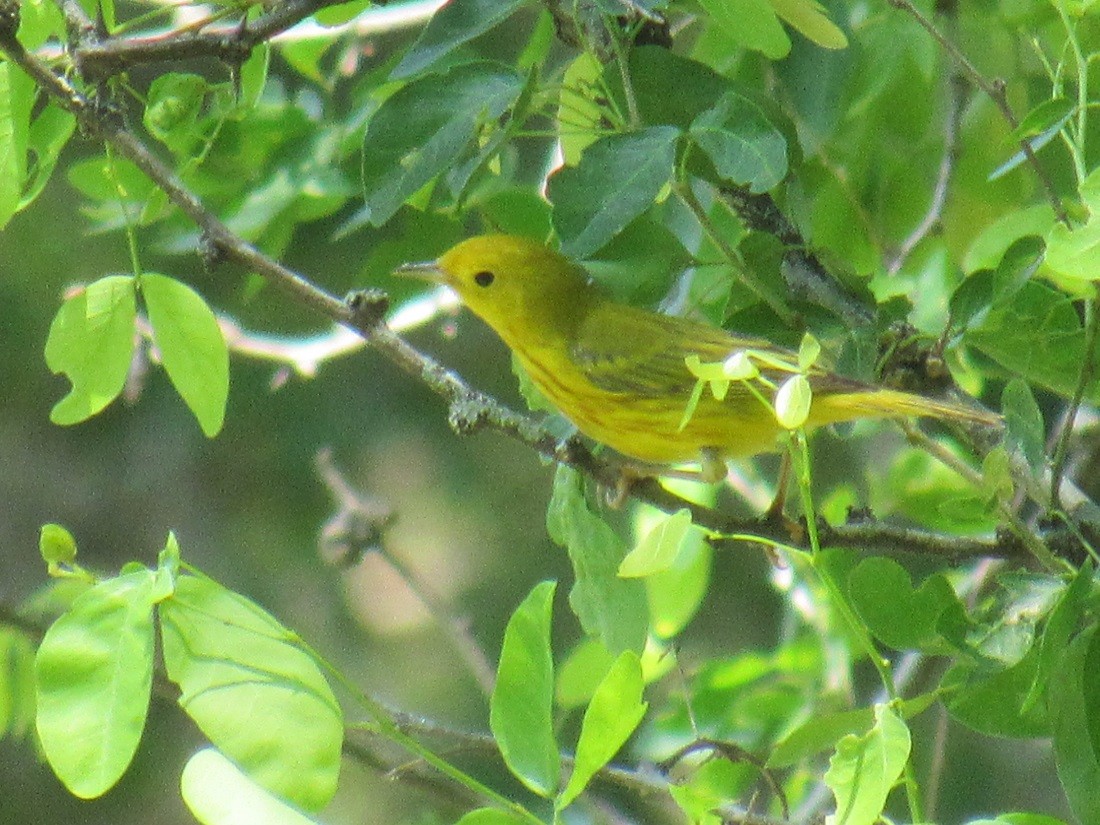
800 457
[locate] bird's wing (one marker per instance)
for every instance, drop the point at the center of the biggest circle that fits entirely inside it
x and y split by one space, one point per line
627 350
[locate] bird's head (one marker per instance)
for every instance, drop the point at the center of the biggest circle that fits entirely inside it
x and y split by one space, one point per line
516 285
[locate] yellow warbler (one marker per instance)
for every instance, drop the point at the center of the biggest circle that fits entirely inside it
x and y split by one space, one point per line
621 374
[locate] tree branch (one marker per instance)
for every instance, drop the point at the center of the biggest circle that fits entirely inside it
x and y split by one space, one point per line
806 276
98 56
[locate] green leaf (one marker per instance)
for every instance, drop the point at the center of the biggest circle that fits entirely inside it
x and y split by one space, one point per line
1073 255
521 707
750 23
989 247
994 700
1073 702
191 345
809 19
255 693
340 13
172 108
49 134
1039 128
617 179
792 402
1024 429
455 23
610 608
579 105
16 99
1053 112
711 785
94 671
741 142
17 705
581 673
898 615
39 20
615 711
56 545
1061 626
824 730
92 341
864 769
218 793
1037 336
421 129
660 547
253 76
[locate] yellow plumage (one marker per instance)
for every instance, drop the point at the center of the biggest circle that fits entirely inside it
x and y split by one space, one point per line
619 372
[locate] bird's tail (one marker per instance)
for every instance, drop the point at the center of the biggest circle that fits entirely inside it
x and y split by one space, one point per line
895 404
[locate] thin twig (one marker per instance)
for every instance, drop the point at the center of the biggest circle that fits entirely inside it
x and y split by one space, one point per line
807 278
931 219
1084 378
995 90
358 526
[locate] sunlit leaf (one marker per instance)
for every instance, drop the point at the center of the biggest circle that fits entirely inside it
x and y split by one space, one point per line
94 671
217 792
614 712
191 345
92 342
864 769
257 695
521 707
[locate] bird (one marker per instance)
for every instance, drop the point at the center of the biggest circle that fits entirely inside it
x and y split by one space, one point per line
622 374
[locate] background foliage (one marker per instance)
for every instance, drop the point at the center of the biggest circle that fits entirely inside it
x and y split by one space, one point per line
774 167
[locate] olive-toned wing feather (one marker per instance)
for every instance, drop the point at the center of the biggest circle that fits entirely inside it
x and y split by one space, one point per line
635 352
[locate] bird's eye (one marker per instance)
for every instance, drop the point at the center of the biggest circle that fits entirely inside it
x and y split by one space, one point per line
484 278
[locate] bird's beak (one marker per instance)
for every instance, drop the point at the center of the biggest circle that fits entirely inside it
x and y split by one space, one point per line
422 270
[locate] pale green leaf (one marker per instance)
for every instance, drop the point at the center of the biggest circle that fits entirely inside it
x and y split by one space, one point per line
191 345
659 548
94 671
492 816
521 707
792 402
92 341
16 99
56 545
255 693
864 769
751 23
218 793
809 18
615 711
